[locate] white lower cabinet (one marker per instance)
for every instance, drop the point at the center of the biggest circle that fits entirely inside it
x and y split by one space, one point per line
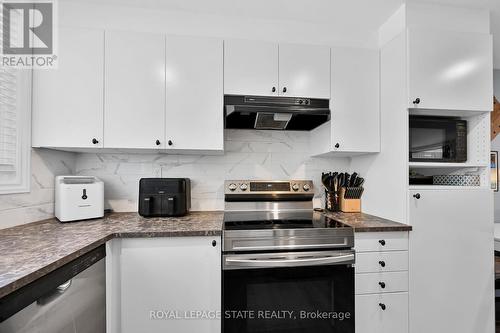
452 286
381 313
381 282
159 284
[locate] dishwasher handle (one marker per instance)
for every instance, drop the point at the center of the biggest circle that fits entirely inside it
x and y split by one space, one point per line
53 295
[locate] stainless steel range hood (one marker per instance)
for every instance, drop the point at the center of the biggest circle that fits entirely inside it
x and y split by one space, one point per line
275 113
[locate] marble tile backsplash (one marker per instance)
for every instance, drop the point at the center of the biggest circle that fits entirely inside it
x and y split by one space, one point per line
248 154
38 204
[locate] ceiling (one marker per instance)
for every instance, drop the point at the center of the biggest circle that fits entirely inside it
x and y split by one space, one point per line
352 15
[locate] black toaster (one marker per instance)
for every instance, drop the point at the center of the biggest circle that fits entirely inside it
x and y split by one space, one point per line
162 197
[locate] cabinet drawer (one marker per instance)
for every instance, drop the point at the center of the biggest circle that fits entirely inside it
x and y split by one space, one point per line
371 318
381 241
372 262
390 282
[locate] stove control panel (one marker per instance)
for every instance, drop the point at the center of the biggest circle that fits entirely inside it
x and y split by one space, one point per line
252 187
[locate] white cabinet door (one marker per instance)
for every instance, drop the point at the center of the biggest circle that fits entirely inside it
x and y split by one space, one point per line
304 71
450 70
250 68
134 111
154 283
355 100
68 101
451 261
382 313
194 102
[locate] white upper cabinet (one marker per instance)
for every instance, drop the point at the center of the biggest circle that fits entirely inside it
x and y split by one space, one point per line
304 71
194 73
355 100
450 70
135 90
250 68
355 109
68 101
269 69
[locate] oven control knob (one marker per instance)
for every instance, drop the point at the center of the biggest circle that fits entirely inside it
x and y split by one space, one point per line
243 187
306 187
295 187
232 186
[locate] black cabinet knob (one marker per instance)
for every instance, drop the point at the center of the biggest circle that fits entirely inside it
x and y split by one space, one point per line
214 243
382 285
158 142
284 89
381 263
273 89
170 142
382 242
417 101
416 196
382 306
95 141
337 145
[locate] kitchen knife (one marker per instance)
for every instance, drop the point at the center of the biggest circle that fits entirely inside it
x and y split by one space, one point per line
341 179
360 181
354 177
347 179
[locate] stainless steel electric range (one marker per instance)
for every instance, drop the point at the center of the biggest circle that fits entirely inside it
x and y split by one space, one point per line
286 268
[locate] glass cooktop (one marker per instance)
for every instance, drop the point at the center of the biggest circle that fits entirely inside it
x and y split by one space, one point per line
278 220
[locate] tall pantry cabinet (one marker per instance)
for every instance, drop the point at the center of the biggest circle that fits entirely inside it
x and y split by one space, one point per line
433 66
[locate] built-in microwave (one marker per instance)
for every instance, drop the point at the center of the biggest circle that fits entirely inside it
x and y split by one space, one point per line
437 139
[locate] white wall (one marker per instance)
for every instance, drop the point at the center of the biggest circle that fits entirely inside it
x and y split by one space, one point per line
248 154
495 144
37 205
104 16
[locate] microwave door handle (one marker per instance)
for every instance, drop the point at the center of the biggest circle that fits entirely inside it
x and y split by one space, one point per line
290 262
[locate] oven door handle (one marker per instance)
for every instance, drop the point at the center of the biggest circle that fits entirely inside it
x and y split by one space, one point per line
287 260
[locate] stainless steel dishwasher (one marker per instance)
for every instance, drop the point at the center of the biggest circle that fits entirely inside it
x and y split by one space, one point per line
69 299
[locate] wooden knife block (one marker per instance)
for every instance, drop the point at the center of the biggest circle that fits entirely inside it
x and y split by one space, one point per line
349 205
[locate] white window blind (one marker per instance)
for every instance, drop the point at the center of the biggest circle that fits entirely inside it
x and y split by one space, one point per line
15 127
8 120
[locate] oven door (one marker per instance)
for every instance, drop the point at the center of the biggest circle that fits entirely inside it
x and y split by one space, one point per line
289 292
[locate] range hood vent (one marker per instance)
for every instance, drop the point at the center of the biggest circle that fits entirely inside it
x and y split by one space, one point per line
275 113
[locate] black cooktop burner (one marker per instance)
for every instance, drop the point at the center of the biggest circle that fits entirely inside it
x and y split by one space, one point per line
278 220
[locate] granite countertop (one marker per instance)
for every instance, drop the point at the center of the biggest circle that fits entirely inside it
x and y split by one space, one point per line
362 222
33 250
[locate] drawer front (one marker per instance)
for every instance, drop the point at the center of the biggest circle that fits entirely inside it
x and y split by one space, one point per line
372 283
371 318
372 262
380 241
